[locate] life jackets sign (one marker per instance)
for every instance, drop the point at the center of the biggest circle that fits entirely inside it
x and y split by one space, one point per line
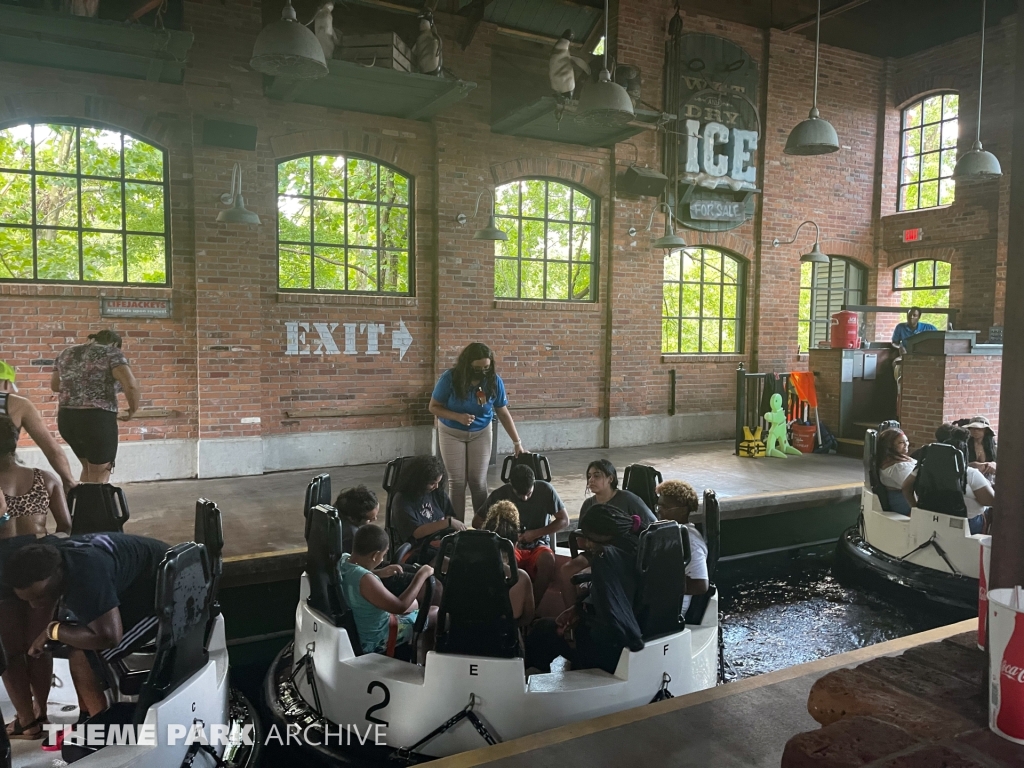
752 446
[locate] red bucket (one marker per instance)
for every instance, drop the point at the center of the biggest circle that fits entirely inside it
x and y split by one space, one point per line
803 438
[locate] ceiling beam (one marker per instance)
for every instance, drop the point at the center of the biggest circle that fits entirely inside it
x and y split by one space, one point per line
839 9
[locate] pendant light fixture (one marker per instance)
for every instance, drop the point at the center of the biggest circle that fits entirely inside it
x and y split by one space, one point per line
815 255
976 163
286 48
670 241
605 103
237 213
814 136
491 231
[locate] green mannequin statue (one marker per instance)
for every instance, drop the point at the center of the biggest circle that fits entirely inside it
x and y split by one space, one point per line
777 434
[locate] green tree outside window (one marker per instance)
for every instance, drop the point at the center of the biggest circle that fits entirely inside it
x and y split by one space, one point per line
551 249
924 284
82 203
702 302
344 224
928 137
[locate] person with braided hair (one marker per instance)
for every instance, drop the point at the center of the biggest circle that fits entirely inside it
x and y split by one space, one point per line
592 632
503 519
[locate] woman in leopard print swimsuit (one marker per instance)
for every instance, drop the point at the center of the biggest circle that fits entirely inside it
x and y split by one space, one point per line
26 496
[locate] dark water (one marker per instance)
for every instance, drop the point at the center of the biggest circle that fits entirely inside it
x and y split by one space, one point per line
789 608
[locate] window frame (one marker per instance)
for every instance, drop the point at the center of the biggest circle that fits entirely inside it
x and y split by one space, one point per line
913 289
595 240
78 124
741 295
848 265
410 207
901 184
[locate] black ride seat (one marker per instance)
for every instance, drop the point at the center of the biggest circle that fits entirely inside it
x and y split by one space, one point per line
712 530
97 508
661 559
317 492
323 551
184 598
642 480
942 480
535 461
475 617
390 483
871 478
5 742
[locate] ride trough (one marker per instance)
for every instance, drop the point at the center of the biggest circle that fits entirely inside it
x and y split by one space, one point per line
932 553
473 688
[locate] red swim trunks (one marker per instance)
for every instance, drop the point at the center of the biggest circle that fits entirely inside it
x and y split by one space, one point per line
527 558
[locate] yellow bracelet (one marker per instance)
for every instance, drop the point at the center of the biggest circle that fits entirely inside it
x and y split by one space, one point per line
53 631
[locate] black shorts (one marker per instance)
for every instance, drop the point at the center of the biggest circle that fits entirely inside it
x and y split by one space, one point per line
91 433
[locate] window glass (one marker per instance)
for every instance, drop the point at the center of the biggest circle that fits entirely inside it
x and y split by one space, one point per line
550 251
82 204
702 302
928 137
824 290
344 225
924 284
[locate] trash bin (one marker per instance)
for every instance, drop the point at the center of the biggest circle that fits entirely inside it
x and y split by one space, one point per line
803 437
1006 663
985 555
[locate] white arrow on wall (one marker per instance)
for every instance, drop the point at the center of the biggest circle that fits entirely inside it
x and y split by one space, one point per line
401 339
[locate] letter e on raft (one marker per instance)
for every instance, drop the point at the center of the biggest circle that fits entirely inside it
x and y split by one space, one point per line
474 670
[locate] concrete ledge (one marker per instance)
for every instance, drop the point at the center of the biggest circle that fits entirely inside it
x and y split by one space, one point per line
137 460
683 427
310 450
555 435
230 457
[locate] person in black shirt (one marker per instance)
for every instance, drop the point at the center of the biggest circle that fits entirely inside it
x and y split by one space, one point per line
593 631
105 584
421 512
541 514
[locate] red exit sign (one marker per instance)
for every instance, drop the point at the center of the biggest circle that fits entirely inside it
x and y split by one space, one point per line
913 235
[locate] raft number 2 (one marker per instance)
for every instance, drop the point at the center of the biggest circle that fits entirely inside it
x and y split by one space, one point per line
387 700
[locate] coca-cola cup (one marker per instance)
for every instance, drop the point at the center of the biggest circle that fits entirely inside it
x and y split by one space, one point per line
1006 663
985 555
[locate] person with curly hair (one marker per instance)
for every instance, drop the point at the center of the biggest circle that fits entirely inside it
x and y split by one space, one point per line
677 500
466 400
356 507
421 512
503 519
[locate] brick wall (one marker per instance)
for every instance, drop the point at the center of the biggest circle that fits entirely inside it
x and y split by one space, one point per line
939 388
218 365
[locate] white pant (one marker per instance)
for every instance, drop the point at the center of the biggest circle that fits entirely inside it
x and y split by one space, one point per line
466 456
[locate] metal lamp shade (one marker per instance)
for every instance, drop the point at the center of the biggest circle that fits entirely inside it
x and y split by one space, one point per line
815 256
604 103
814 136
288 49
238 213
670 242
490 232
977 164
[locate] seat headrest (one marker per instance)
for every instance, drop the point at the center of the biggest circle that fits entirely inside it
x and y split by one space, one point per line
317 492
663 539
183 592
209 531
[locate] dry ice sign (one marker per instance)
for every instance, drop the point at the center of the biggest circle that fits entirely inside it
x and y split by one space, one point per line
712 88
312 338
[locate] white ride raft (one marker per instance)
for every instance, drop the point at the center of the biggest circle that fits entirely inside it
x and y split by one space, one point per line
473 689
932 553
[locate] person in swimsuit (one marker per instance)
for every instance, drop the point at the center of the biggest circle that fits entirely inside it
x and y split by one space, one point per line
26 498
24 414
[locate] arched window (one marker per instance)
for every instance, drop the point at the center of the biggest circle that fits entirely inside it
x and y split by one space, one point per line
924 284
702 302
552 242
928 137
824 289
82 204
344 224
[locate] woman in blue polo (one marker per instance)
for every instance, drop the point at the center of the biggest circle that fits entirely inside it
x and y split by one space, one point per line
465 401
